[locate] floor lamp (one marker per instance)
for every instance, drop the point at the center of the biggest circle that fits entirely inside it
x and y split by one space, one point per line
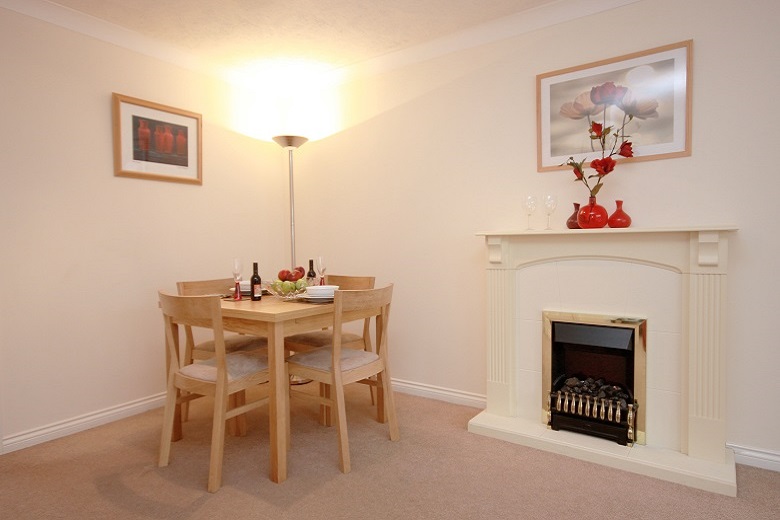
290 143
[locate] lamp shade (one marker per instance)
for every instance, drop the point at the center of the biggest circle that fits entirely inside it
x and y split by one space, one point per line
290 141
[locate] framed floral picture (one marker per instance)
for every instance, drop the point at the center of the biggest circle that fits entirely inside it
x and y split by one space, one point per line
645 95
156 142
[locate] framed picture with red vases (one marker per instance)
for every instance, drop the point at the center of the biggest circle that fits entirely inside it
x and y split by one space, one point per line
645 97
156 142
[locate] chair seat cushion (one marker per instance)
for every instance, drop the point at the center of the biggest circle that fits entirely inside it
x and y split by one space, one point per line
239 364
320 338
234 342
320 359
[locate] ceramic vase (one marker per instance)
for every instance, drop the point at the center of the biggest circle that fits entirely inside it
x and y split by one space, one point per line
619 219
592 215
571 223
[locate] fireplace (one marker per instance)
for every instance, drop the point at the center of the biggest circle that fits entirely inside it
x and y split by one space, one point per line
593 375
676 280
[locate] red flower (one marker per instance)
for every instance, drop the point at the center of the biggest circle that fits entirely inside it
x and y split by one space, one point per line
578 172
596 128
603 166
626 150
607 94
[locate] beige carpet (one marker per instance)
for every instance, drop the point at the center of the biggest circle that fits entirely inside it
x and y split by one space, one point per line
437 470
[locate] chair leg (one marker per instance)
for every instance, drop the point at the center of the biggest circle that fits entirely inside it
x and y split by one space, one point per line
341 425
169 415
217 442
389 404
326 416
381 417
237 425
185 411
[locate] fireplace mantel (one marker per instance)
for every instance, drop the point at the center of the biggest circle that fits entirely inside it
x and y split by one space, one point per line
700 256
703 249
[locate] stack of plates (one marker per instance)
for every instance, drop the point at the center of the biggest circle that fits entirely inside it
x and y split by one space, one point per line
320 293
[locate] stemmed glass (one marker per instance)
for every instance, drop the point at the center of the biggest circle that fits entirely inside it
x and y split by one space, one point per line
237 269
550 203
321 269
529 203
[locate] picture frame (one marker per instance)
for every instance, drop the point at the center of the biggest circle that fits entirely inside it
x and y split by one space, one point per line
659 83
156 142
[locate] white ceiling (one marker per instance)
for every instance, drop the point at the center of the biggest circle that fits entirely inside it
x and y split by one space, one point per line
227 33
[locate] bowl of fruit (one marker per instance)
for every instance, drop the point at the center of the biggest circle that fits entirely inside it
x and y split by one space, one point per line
289 284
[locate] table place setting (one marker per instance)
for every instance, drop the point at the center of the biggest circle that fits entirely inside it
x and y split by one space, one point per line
319 293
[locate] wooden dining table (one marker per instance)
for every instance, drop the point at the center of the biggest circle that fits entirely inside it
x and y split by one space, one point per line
275 318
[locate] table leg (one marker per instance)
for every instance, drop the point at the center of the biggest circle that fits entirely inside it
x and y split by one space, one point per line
279 413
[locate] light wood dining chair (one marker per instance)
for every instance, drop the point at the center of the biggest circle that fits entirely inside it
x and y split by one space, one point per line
308 341
220 377
205 349
336 366
233 342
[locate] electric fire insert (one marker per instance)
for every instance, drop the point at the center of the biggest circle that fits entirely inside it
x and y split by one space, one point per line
592 383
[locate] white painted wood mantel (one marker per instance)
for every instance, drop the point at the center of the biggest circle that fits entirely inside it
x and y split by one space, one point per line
700 256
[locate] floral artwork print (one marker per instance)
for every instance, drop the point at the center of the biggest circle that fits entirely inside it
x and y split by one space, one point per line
649 97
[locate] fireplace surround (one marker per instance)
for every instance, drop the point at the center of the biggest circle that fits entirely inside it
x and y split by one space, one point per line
677 278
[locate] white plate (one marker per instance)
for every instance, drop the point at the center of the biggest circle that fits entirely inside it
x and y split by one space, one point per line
321 290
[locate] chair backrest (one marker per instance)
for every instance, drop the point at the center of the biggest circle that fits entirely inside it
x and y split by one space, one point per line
350 282
191 311
350 305
354 283
201 287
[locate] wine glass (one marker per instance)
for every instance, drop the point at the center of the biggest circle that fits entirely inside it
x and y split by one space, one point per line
529 204
237 269
550 203
321 269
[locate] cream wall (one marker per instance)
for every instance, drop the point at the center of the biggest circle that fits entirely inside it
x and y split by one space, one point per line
84 252
434 152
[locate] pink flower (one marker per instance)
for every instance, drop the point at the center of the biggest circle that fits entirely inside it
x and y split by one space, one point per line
581 107
607 94
638 108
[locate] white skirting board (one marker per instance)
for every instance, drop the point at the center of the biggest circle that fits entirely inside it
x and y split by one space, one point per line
78 424
742 454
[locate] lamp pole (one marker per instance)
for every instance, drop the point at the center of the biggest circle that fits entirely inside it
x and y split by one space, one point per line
290 143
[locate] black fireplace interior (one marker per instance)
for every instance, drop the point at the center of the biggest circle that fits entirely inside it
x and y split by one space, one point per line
593 380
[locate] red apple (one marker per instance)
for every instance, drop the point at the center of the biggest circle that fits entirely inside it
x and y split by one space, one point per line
283 274
301 269
296 275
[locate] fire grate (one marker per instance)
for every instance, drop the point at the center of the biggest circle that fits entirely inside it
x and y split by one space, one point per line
593 407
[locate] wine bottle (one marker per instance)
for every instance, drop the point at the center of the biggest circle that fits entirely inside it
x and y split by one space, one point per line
311 276
254 282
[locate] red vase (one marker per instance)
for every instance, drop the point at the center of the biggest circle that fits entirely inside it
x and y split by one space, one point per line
592 216
619 219
571 223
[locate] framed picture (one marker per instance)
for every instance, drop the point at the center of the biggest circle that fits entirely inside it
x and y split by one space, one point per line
656 107
156 142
